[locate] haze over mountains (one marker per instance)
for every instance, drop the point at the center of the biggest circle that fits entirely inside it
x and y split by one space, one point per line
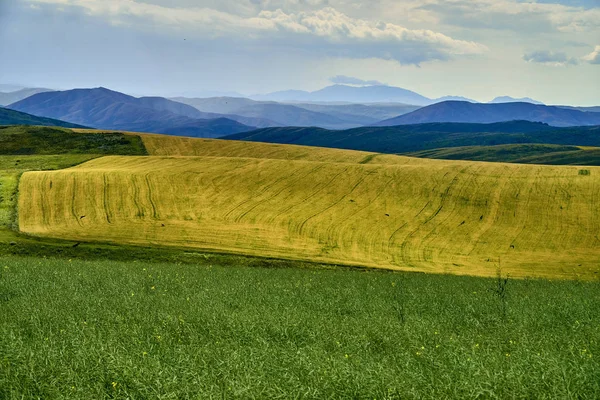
458 111
10 97
330 116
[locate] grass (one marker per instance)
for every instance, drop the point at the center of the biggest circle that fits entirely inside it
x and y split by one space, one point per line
518 153
425 215
93 330
28 140
11 117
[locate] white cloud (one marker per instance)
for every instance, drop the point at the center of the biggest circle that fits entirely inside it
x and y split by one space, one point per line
550 58
593 57
326 29
350 80
514 15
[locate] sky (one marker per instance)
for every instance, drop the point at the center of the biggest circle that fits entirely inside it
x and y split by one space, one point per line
547 50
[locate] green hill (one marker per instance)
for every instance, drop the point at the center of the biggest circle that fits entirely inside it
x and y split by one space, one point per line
415 138
548 154
11 117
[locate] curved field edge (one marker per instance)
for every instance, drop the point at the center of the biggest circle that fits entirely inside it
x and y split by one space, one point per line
439 217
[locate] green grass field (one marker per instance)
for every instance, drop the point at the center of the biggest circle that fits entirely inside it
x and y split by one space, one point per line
83 316
93 330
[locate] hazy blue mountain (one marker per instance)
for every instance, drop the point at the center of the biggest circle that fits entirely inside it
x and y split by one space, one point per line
276 113
106 109
350 94
7 98
8 87
180 108
333 116
460 111
508 99
413 138
283 96
454 98
361 114
585 109
12 117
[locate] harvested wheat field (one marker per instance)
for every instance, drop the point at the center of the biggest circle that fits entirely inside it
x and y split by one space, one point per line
421 215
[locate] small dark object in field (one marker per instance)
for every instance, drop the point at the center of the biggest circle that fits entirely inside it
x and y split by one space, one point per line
387 215
76 245
480 218
512 246
352 201
13 243
162 225
82 217
584 172
462 223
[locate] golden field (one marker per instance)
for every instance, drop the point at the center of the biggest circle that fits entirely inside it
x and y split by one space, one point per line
327 205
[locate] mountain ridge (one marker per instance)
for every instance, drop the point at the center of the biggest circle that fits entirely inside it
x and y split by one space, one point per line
106 109
465 112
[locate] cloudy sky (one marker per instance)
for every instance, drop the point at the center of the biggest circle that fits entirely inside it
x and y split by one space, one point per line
548 50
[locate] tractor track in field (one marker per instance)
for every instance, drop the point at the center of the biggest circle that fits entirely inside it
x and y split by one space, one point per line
150 199
303 224
105 200
311 195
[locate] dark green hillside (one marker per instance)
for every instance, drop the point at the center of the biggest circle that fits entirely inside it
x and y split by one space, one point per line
414 138
11 117
29 140
549 154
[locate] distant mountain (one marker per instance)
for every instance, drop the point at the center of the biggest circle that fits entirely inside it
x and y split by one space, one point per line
180 108
508 99
106 109
341 116
276 113
414 138
7 98
12 117
454 98
585 109
460 111
350 94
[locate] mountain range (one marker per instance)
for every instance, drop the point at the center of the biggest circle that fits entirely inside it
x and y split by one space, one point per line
461 111
350 94
220 116
508 99
106 109
330 116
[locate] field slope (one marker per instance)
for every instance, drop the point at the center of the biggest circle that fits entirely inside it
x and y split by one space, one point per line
423 215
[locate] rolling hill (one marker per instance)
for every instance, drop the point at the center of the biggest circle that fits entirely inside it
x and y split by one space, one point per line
106 109
412 138
11 117
379 211
465 112
547 154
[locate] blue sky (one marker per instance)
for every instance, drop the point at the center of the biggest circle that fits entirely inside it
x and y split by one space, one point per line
548 50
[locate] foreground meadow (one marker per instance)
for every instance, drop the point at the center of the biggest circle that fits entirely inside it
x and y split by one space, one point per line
107 329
